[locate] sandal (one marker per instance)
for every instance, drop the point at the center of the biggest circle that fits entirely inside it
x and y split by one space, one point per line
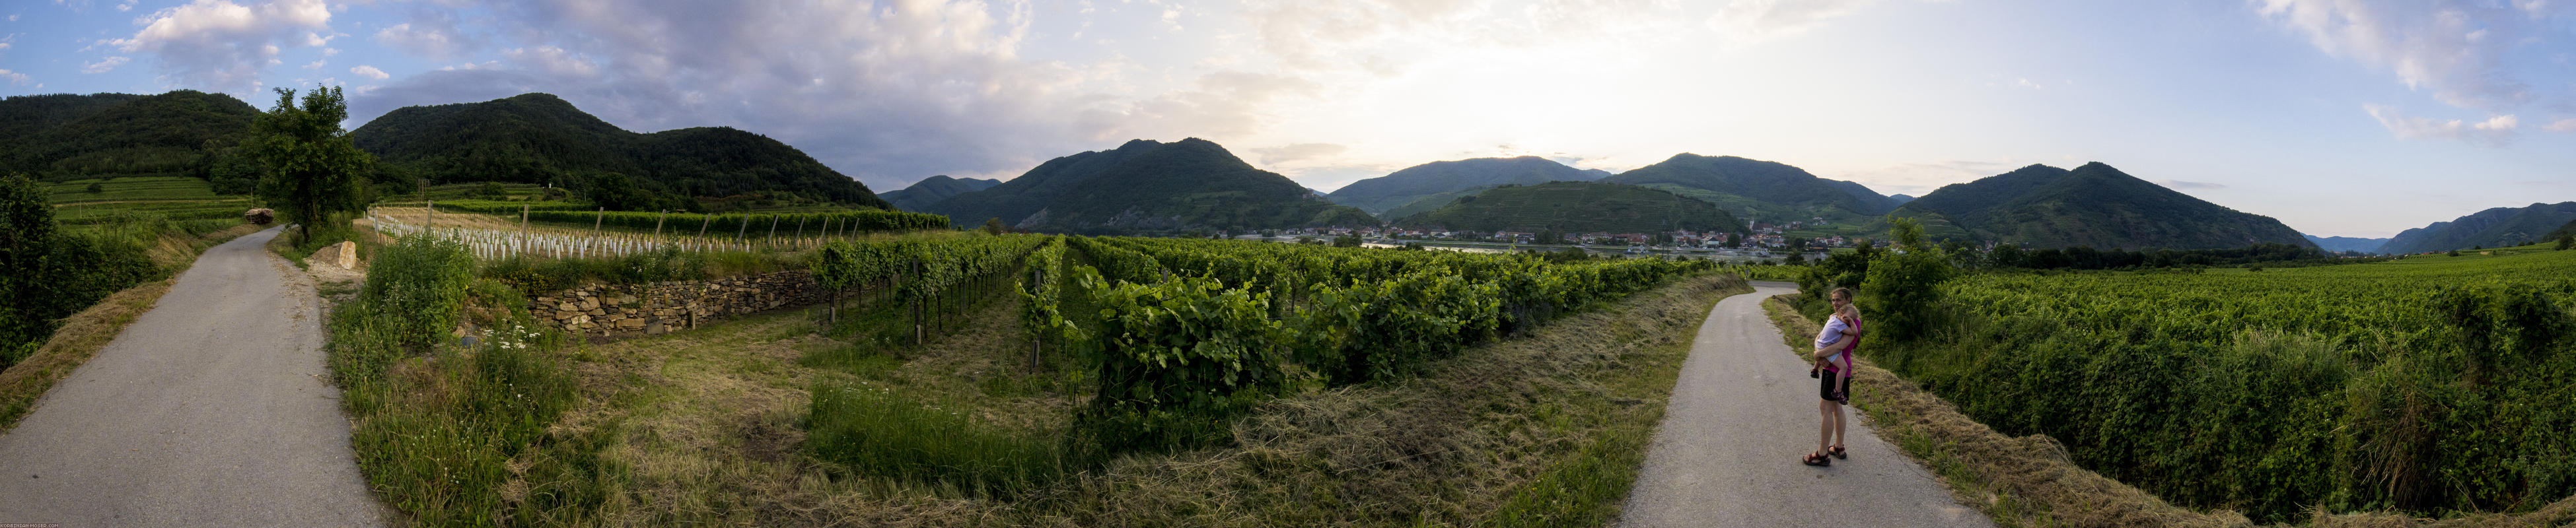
1838 453
1816 460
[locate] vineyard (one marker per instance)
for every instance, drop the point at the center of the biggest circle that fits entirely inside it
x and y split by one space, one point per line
2424 385
494 230
130 199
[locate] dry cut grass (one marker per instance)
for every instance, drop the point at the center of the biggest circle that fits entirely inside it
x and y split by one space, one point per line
2030 480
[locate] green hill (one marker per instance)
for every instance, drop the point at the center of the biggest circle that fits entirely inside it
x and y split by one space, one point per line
1576 207
1148 186
2497 227
1761 191
540 138
62 136
2094 205
933 189
2565 230
1450 179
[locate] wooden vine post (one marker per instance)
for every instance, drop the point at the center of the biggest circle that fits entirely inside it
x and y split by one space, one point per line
657 223
524 244
594 228
772 242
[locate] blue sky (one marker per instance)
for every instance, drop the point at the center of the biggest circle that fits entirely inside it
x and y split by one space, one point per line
2338 117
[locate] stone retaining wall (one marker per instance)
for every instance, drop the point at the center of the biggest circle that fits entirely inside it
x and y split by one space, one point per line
618 312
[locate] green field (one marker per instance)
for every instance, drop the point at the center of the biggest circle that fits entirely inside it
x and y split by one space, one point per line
176 198
2426 385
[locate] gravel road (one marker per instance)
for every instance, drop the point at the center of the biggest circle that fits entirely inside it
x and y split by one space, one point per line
1742 413
212 409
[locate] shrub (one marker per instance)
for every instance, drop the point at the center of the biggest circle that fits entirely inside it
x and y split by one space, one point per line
1177 359
424 278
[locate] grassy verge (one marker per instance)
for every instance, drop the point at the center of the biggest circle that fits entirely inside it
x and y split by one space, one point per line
89 330
2030 480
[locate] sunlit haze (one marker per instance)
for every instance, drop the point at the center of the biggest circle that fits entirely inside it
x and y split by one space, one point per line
2338 117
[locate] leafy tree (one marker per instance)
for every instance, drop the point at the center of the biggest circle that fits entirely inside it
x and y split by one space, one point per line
994 226
95 188
26 232
312 167
2566 241
1903 287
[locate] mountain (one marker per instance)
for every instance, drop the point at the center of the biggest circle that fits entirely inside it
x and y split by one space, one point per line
2094 205
1149 186
1899 199
2342 244
933 189
2563 231
1576 207
540 138
2497 227
173 133
1381 194
1759 191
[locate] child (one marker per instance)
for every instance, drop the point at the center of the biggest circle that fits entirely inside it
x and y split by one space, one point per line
1842 330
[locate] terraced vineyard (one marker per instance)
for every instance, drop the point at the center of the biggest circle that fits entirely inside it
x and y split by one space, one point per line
120 199
2426 384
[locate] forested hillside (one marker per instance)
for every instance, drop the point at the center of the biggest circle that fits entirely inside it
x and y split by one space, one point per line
2095 206
2501 226
65 136
1760 191
1146 186
933 189
1450 179
1576 207
540 138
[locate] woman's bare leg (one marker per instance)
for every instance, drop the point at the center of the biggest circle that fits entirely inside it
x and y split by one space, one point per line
1830 422
1837 411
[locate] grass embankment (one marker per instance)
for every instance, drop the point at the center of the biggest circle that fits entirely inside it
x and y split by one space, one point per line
710 426
2031 481
84 333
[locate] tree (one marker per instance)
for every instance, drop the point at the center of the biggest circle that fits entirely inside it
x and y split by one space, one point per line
994 226
313 169
1902 288
2566 241
1346 241
26 236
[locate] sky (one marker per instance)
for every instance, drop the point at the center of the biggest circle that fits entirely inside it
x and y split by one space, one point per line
2337 117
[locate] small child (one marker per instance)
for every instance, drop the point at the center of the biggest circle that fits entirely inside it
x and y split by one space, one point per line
1842 329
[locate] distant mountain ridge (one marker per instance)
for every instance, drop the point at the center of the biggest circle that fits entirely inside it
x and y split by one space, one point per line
1450 179
1576 207
2094 205
540 138
933 189
1759 191
2343 244
2495 227
1147 186
171 133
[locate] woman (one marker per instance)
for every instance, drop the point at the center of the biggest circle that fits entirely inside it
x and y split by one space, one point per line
1834 345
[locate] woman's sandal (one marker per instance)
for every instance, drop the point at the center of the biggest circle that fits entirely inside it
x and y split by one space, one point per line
1813 459
1838 453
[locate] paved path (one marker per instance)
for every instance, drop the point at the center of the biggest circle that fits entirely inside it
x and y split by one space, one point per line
213 409
1741 415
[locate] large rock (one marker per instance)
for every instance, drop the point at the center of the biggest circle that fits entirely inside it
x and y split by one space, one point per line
343 254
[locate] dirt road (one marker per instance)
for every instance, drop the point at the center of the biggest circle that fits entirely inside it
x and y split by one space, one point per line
213 409
1742 413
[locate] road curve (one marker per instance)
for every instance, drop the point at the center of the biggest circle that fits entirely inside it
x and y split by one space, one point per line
212 409
1742 413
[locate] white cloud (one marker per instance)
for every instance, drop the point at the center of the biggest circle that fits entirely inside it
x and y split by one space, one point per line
2562 125
2496 130
1748 21
316 64
433 37
552 59
2456 49
16 79
1297 152
104 65
369 72
224 45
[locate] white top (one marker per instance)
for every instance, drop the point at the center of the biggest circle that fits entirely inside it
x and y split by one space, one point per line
1832 336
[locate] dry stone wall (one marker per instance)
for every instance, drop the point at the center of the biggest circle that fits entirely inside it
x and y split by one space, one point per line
617 312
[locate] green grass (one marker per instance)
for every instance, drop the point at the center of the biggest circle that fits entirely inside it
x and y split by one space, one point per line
873 429
134 188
